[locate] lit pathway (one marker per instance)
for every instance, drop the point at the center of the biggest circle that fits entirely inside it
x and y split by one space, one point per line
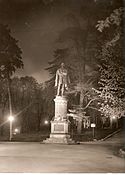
37 158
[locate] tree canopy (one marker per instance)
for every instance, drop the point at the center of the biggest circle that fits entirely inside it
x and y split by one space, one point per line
112 75
10 53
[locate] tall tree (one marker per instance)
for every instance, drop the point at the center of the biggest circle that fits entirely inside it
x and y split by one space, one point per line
112 75
10 53
76 36
10 58
27 103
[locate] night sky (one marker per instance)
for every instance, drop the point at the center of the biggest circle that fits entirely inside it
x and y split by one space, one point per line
37 25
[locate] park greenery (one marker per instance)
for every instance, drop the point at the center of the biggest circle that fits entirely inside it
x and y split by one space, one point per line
111 89
96 92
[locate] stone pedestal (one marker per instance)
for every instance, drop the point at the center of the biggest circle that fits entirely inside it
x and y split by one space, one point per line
60 125
60 108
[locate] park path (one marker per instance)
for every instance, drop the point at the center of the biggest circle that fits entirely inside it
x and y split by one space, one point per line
33 157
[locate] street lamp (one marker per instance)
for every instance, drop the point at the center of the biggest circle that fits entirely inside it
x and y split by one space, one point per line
93 129
11 118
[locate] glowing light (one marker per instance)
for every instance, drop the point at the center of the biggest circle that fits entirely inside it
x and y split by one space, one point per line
113 117
92 125
16 130
10 118
46 122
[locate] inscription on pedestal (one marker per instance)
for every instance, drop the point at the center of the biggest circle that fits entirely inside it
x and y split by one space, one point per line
58 127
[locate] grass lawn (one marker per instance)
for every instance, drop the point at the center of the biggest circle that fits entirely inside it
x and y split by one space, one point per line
36 137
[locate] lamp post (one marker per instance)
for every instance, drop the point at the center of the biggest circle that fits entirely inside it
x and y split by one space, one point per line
93 129
11 118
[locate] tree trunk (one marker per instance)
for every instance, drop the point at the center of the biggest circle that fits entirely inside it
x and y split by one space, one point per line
1 122
81 98
2 119
9 96
117 123
38 117
111 122
79 127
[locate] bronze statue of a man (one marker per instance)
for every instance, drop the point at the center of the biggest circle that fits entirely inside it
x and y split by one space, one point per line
62 80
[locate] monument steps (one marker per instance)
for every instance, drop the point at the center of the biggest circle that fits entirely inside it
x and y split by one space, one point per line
59 140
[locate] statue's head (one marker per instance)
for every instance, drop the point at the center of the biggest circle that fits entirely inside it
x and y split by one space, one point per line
62 65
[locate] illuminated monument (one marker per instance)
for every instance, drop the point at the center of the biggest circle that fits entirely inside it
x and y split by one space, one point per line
60 125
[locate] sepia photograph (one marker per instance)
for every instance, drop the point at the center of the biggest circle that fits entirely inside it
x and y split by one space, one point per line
62 86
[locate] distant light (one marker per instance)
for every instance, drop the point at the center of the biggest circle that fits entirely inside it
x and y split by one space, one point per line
46 122
10 118
114 117
92 125
16 130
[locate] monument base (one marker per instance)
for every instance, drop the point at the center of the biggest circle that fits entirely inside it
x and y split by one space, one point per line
60 125
59 138
59 133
